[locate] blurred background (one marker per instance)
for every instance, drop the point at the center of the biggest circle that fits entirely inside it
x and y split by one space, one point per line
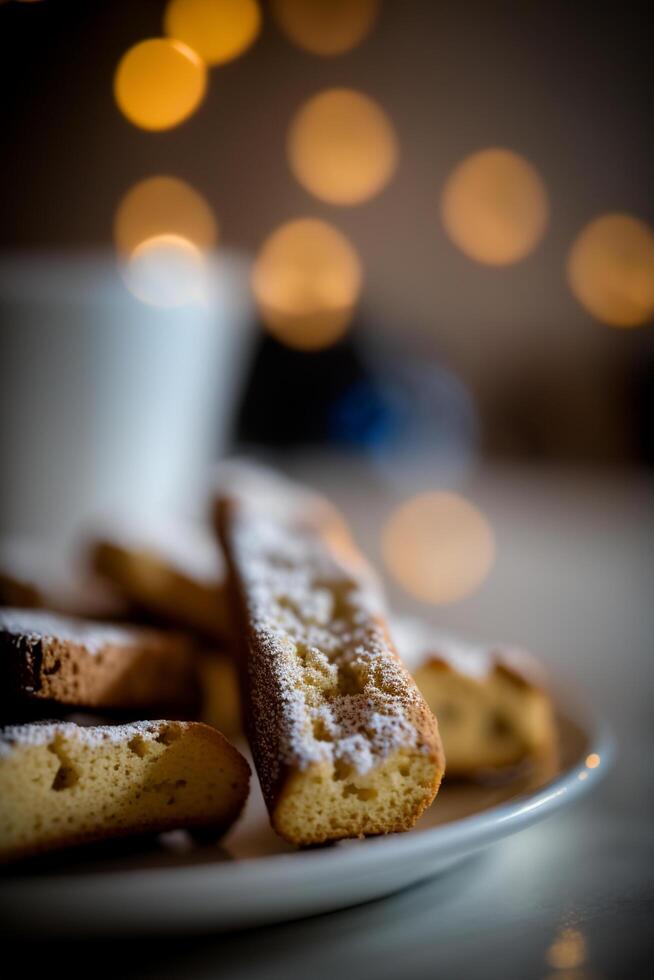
414 235
401 250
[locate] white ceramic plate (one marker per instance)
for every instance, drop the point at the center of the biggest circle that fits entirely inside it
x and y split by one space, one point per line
174 884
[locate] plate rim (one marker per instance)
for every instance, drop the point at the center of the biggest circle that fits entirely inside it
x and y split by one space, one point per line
469 833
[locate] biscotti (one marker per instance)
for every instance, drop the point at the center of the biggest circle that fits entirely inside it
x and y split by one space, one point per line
172 572
46 657
220 699
490 699
28 580
17 591
343 742
62 784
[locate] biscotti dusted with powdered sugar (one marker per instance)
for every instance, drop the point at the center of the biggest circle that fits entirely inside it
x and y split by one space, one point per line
62 784
44 656
490 698
343 741
171 570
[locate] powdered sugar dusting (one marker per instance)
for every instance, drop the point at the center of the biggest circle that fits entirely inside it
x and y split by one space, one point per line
418 642
344 698
188 547
33 626
13 737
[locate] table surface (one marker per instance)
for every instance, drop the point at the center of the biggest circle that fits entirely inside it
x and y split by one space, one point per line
570 898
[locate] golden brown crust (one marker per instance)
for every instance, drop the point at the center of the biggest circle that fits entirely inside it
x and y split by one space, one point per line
142 829
47 657
241 649
327 699
161 585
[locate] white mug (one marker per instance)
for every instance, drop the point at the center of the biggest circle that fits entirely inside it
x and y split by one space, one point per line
108 404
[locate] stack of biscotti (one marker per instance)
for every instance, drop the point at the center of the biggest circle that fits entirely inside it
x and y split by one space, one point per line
174 575
169 575
491 700
272 621
63 783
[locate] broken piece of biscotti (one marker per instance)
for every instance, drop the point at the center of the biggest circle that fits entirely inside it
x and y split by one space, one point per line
172 571
343 741
490 699
63 784
47 657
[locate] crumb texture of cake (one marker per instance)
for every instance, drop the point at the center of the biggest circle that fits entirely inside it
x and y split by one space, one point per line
490 699
173 571
45 656
62 784
344 743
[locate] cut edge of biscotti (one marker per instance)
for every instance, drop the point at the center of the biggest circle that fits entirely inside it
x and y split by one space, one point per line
491 699
68 660
63 784
328 803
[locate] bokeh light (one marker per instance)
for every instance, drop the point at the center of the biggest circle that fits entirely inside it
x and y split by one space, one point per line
163 206
167 271
611 270
341 147
307 280
593 760
438 547
219 30
494 207
568 950
326 27
159 83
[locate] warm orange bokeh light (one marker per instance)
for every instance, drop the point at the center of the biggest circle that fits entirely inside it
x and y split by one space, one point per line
166 271
307 280
568 950
592 760
159 83
611 270
163 206
438 547
341 147
326 27
219 30
494 207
